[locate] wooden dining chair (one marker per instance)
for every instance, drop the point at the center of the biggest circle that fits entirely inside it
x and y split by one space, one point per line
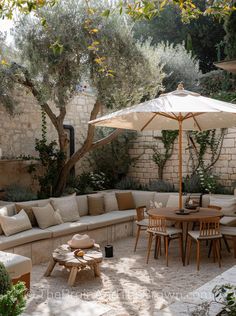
218 208
157 228
209 230
141 222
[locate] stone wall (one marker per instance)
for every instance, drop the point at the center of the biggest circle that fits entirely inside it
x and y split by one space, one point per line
145 169
18 132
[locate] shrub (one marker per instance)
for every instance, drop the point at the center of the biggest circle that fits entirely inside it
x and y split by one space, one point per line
12 297
5 282
192 184
13 302
178 65
91 181
161 186
113 159
128 183
18 193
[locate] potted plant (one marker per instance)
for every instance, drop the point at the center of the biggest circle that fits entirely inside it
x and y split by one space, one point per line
12 297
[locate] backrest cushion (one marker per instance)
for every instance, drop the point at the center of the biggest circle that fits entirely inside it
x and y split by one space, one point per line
125 201
228 206
3 212
46 216
82 202
14 224
28 210
143 198
96 204
110 202
161 197
67 207
173 201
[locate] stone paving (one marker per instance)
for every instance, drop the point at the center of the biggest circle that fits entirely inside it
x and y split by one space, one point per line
128 286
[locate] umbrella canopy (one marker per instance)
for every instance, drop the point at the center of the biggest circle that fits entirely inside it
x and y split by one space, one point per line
177 110
163 113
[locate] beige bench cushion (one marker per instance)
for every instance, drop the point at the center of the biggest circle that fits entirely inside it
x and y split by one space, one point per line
22 238
143 198
228 231
228 221
82 202
68 228
16 265
108 219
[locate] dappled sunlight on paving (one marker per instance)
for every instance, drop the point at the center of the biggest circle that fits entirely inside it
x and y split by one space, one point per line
128 285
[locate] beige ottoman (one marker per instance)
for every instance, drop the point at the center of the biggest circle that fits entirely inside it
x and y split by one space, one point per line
18 267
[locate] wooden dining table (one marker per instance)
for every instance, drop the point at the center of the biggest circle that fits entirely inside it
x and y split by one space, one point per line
172 214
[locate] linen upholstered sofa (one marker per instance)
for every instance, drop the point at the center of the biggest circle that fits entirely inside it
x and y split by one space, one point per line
114 219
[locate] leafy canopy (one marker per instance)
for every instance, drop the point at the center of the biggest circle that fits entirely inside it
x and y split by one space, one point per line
57 72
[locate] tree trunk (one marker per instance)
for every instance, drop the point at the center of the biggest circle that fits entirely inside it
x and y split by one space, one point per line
88 145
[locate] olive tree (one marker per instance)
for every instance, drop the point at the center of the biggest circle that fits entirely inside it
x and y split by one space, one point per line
55 58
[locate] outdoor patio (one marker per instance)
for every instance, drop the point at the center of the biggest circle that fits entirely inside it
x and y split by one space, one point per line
128 286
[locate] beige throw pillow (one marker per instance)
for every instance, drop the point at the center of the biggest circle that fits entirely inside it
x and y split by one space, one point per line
46 216
15 224
67 207
173 201
125 200
110 202
28 210
228 206
96 204
3 211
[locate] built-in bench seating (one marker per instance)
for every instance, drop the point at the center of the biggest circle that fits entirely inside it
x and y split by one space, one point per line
38 244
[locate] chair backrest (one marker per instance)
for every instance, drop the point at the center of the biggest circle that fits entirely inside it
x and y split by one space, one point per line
209 227
215 207
140 211
157 224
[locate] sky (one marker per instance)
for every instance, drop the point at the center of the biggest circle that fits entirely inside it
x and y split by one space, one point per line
5 26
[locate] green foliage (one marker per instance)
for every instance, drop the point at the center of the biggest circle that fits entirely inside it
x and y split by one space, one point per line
113 159
161 186
57 73
51 159
230 38
18 193
160 158
216 83
5 281
200 35
8 7
178 65
208 181
13 302
128 183
192 184
226 295
90 181
202 143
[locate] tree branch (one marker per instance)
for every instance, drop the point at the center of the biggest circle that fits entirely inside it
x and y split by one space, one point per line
27 82
107 139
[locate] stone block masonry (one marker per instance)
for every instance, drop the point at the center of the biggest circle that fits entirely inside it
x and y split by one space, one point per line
18 133
145 168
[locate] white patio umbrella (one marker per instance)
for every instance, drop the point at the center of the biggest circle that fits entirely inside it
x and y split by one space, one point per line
177 110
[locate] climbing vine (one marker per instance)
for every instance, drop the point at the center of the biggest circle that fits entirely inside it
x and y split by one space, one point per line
51 159
161 158
204 150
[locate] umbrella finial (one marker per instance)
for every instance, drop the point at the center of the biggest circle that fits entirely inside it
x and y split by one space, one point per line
180 86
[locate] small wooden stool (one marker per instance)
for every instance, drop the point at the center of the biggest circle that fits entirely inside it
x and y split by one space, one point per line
64 255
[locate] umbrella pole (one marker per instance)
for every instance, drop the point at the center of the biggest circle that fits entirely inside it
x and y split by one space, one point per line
180 162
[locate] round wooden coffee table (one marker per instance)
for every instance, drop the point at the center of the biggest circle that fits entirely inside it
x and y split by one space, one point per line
64 255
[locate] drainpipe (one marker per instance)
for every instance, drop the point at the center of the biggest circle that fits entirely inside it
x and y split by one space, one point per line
71 130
